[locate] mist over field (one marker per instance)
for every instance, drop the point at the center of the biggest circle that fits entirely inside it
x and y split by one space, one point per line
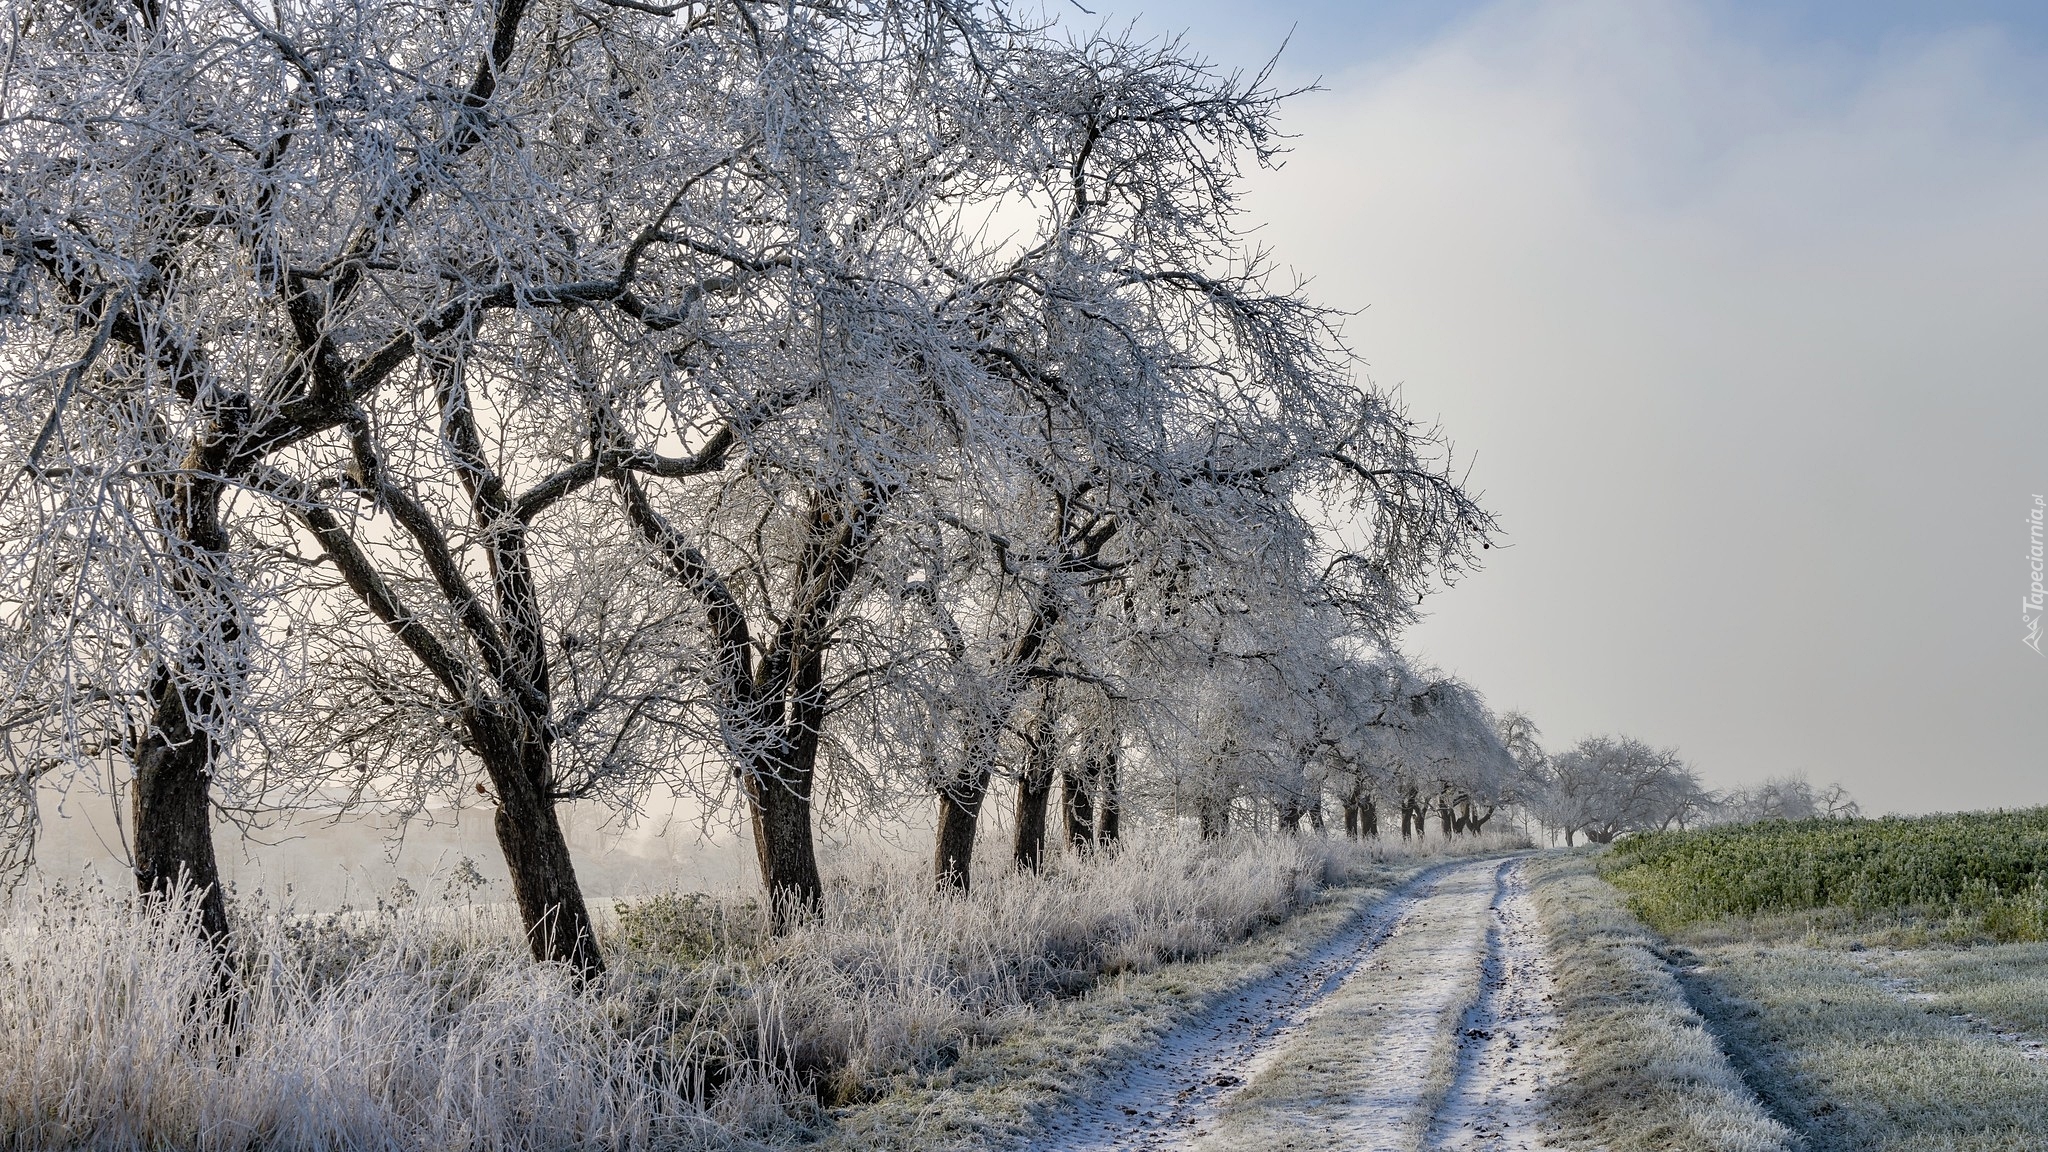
317 861
1732 306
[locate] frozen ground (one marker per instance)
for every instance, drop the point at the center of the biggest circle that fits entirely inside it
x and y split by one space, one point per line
1426 1022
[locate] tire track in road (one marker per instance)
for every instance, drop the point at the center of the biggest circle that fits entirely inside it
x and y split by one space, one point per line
1429 1022
1175 1092
1508 1050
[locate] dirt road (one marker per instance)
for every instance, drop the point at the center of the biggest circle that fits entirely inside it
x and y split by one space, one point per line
1426 1023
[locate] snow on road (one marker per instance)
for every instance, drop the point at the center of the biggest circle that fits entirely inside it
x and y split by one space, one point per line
1425 1023
1508 1039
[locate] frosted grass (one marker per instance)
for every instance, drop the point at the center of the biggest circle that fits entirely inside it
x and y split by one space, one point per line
430 1028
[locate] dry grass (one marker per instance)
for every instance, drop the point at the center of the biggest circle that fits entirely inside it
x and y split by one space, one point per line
1645 1075
1039 1062
427 1027
419 1032
2005 985
1852 1060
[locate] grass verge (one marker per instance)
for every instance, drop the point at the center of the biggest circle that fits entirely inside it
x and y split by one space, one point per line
998 1093
1035 1062
427 1027
1645 1074
1868 1049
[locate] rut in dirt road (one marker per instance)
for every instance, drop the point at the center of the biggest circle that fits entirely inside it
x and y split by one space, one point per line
1424 1024
1507 1041
1173 1092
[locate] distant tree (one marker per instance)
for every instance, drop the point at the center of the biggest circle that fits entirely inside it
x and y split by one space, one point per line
1835 803
1785 798
1605 786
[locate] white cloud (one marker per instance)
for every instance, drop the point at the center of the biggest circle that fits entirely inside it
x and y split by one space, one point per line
1746 339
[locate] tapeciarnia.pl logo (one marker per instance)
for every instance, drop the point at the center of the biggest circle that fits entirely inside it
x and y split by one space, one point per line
2030 608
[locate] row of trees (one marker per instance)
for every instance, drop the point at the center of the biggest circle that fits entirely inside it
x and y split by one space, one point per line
1605 786
799 408
1383 740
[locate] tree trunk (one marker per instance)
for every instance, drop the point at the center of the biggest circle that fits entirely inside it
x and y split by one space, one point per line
779 802
174 760
1443 814
1479 819
558 926
1368 818
173 817
959 810
1290 817
1414 816
1034 792
1109 807
782 799
1078 809
1034 787
1567 837
1214 817
1350 820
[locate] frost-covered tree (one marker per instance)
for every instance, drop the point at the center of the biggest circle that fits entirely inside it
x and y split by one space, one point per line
1604 786
224 236
1785 798
388 267
545 400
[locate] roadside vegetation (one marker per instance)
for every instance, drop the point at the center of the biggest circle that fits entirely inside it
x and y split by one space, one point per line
1960 876
1876 983
1645 1074
428 1026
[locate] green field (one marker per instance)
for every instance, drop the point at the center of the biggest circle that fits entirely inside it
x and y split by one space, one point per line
1975 873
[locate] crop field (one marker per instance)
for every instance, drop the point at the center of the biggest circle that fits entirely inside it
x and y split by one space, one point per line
1877 984
1963 875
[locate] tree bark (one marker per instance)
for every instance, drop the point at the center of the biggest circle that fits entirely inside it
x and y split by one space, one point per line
780 809
173 816
171 802
959 810
1077 808
1109 807
1033 797
1368 818
780 796
1034 789
529 830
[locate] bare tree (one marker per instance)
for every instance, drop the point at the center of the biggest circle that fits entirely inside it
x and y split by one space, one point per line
1607 785
202 219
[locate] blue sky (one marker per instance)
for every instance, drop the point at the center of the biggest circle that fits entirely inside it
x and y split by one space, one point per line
1734 309
1330 36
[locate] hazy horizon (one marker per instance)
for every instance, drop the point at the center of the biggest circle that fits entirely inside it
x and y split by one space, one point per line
1731 309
